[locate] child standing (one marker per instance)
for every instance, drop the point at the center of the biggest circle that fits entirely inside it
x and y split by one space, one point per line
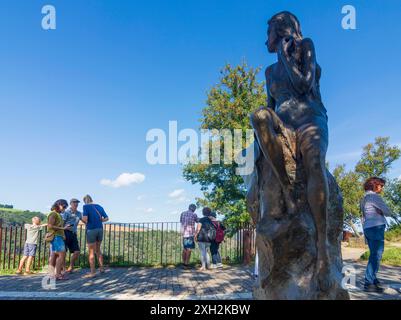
31 243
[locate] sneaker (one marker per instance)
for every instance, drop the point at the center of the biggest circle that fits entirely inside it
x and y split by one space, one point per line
219 265
213 266
373 288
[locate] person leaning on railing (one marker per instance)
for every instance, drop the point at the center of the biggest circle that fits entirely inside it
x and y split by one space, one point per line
187 220
204 236
93 216
374 210
215 244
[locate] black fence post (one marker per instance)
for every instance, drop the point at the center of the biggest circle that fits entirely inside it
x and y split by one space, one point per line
161 247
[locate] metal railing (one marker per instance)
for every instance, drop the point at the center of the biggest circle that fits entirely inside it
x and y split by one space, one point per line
132 244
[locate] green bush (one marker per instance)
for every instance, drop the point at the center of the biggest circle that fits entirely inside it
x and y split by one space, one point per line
393 234
14 217
391 256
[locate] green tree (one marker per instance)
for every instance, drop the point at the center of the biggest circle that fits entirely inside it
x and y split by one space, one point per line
377 158
228 106
352 191
18 217
392 195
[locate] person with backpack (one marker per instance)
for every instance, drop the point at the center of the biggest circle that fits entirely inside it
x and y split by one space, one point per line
215 244
204 235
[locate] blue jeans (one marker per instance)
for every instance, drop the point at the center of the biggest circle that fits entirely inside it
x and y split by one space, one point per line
375 238
214 250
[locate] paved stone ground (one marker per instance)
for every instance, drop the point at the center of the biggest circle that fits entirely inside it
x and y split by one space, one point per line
388 275
234 282
135 283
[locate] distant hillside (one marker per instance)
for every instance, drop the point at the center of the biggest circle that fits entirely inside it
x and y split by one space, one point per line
11 216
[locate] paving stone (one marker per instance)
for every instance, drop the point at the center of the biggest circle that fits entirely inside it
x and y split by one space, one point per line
234 282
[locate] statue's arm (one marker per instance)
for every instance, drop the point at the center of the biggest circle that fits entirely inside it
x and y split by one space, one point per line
303 76
271 103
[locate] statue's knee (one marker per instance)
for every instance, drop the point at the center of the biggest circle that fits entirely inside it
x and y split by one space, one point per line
260 116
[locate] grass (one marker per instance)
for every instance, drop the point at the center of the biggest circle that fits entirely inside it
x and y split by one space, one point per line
7 272
391 256
394 234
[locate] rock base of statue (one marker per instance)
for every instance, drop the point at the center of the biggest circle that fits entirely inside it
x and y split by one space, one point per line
286 241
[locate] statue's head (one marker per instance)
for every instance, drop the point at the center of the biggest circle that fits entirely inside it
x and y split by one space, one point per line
282 25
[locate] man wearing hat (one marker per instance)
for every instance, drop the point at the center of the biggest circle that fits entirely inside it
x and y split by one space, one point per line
71 218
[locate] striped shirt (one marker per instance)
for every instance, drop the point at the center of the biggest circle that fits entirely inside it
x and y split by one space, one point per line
188 219
374 210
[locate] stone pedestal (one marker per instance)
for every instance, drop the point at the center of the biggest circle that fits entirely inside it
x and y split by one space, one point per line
286 242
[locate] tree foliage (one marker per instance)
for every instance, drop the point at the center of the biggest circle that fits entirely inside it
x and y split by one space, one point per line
228 106
376 160
351 188
15 217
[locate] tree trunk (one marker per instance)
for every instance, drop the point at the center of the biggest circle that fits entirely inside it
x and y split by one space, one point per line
353 227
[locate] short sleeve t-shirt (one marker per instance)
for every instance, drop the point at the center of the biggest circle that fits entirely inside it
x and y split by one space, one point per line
94 212
72 219
188 219
32 233
58 223
206 225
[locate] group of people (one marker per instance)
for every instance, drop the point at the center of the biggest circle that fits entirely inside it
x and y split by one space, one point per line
206 231
209 233
62 225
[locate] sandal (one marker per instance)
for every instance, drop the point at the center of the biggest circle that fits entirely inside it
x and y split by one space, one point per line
89 275
18 272
28 273
102 270
61 277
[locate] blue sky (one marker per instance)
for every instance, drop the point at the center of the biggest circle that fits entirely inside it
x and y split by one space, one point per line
76 102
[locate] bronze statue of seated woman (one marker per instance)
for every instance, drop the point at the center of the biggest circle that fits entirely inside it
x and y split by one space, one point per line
294 109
